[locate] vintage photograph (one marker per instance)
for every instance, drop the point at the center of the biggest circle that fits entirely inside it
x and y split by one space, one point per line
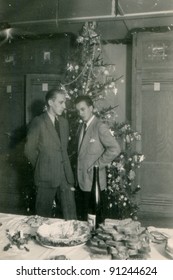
86 134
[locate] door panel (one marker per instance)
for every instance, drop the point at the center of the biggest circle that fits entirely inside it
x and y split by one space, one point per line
36 89
11 145
152 115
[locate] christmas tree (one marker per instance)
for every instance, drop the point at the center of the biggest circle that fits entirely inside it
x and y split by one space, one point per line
86 74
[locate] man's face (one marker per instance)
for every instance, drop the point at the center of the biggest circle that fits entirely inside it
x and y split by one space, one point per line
84 111
57 105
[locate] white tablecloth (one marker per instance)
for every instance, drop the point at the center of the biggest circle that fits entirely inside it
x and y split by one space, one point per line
80 252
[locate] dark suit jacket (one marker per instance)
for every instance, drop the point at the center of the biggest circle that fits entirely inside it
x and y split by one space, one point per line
100 148
47 154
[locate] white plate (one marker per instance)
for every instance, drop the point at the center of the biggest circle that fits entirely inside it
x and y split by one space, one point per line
169 253
66 233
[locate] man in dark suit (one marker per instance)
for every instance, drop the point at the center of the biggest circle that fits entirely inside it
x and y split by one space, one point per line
46 149
96 146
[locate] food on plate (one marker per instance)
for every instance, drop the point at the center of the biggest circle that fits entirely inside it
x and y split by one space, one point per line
35 221
122 239
29 225
63 233
23 231
59 257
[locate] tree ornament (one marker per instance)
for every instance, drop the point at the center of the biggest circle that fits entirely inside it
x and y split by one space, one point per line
86 74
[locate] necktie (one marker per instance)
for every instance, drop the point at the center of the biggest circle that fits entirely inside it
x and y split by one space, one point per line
84 130
57 127
82 134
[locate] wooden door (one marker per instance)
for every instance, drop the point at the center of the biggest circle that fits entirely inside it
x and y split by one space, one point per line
37 86
152 115
11 142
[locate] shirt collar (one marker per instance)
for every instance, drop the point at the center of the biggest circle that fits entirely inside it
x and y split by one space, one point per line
52 117
89 122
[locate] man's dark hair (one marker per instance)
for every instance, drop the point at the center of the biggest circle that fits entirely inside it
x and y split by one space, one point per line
84 98
51 94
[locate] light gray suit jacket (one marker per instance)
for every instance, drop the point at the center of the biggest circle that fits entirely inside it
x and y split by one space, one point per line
100 148
47 154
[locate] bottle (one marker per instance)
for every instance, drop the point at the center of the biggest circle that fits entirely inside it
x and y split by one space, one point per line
95 205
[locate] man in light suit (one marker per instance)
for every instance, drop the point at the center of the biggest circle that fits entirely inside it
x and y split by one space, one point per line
96 146
46 150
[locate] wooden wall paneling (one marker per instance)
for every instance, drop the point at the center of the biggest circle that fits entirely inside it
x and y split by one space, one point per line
157 143
11 60
48 55
11 137
28 55
156 196
11 105
18 58
152 115
136 89
155 50
36 89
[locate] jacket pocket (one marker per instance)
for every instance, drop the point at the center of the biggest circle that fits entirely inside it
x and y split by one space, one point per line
95 148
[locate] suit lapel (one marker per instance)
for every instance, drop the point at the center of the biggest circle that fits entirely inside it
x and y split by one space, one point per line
79 131
51 128
80 136
63 131
88 136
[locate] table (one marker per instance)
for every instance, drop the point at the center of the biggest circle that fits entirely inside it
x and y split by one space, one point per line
80 252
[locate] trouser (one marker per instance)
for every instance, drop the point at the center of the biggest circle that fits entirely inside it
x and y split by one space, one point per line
64 197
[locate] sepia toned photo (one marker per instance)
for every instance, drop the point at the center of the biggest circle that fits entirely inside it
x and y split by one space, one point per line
86 134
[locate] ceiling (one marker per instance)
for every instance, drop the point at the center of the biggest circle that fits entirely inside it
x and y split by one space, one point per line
116 19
